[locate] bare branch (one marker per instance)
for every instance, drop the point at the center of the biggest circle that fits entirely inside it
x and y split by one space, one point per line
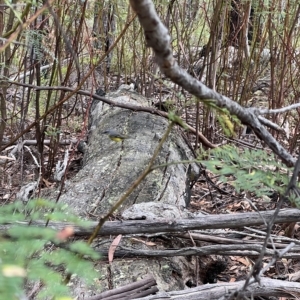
278 110
158 38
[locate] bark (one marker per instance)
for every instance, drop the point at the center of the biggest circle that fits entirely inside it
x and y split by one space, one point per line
268 287
110 168
164 224
140 288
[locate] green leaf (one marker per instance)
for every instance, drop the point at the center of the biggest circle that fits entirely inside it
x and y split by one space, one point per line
85 249
31 249
255 171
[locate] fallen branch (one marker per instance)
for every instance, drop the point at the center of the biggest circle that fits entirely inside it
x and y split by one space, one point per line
268 287
46 142
139 288
178 225
225 250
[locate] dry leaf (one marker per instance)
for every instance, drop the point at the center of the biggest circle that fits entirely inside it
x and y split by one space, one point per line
65 233
244 261
47 183
143 242
113 248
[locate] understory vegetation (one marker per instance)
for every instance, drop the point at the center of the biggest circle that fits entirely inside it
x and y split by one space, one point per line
57 55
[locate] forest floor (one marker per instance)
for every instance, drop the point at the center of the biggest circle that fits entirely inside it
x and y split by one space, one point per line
208 196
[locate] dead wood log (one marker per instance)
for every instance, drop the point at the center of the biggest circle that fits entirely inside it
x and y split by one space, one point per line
140 288
224 250
175 225
268 287
110 168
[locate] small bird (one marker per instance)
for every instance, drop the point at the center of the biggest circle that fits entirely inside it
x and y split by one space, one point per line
114 135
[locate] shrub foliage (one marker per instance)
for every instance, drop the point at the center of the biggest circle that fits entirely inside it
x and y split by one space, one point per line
31 254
